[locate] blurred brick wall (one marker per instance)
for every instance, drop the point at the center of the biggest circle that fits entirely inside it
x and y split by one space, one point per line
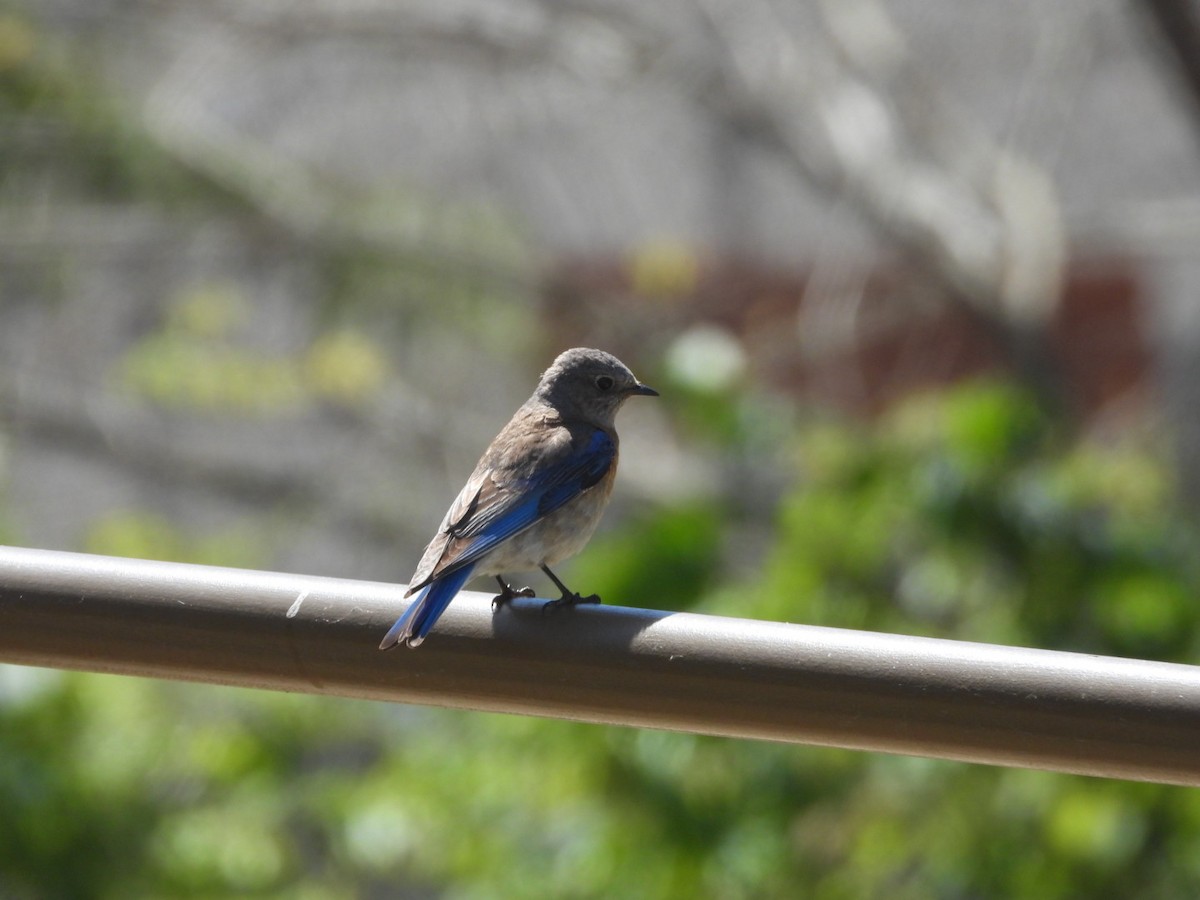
858 340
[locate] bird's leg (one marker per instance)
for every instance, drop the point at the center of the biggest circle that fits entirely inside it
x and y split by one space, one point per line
508 592
569 597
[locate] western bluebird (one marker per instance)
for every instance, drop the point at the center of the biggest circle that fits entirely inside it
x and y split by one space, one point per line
535 496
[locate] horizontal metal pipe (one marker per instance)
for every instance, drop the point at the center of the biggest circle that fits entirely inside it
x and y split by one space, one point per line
707 674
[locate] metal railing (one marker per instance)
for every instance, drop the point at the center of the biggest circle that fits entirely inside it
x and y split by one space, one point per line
713 675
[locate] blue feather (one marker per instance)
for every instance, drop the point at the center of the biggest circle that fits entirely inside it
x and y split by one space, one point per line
538 496
412 627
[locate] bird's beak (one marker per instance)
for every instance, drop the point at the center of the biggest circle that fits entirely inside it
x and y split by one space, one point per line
643 390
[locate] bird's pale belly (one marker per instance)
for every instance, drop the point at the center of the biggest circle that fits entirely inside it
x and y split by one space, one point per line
561 534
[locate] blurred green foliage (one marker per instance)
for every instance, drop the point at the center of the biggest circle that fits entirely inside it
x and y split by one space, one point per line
51 96
142 535
958 516
203 359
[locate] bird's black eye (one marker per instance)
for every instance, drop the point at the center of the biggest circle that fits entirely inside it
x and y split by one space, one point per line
604 383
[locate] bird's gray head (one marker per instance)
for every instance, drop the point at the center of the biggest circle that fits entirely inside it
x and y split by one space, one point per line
589 385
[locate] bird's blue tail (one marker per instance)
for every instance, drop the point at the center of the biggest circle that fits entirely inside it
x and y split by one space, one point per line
412 627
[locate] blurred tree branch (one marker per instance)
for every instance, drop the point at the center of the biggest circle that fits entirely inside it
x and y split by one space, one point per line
1178 24
414 230
854 113
847 105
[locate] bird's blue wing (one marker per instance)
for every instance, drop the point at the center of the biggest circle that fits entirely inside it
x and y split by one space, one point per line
511 511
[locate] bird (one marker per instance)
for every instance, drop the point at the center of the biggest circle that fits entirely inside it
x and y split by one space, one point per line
536 495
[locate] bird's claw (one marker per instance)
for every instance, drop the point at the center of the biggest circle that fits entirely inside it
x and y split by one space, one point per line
568 599
507 594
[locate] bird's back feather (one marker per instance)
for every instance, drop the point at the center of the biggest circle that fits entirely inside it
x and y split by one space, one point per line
502 499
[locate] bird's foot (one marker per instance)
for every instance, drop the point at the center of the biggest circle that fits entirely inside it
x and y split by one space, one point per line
569 599
508 592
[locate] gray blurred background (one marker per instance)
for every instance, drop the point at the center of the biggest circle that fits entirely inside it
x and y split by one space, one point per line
282 268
